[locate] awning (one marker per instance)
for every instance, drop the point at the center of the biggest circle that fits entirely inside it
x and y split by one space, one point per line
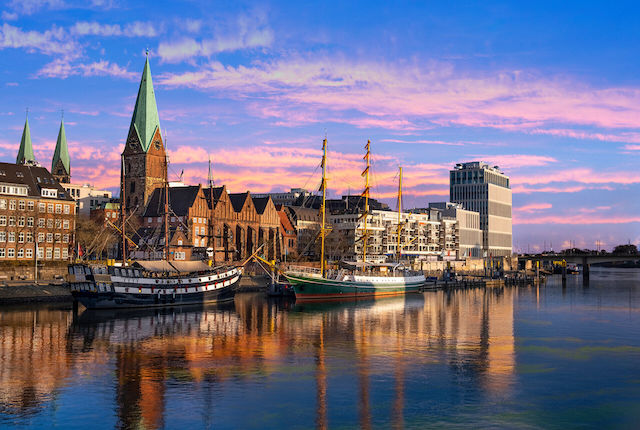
155 265
190 266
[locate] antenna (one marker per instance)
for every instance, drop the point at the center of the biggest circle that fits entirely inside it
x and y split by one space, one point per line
27 115
62 114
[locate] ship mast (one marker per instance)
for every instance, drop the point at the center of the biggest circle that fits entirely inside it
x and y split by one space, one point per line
211 229
166 207
398 249
123 214
365 194
323 208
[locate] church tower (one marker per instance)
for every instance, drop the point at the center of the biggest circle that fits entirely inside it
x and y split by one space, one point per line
144 154
25 153
61 164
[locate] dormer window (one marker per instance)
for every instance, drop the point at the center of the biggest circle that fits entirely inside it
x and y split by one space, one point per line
19 174
157 144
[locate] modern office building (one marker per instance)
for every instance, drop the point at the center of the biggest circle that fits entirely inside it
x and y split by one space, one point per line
468 228
486 190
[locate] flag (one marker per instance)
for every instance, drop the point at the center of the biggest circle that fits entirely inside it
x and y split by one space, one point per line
80 253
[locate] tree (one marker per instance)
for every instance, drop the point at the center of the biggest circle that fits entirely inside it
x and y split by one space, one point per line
628 249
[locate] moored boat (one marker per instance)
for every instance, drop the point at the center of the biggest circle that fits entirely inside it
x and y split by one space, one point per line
363 279
152 284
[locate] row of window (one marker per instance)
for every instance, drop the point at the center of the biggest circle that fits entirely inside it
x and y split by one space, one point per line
28 221
10 236
30 205
15 190
43 253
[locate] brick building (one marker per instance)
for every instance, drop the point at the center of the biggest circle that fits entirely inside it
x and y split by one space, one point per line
34 209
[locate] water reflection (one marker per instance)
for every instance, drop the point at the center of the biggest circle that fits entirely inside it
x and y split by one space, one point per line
378 343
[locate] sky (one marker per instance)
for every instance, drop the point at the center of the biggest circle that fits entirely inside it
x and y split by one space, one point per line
548 91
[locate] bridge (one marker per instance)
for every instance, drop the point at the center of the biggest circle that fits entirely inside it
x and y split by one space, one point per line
585 260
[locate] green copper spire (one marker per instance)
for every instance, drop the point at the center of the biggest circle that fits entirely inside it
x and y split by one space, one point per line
61 153
145 118
25 153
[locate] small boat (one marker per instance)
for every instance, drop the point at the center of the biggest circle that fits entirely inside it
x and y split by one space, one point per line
152 284
362 279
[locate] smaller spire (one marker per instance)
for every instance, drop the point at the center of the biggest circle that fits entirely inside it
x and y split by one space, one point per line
61 163
25 153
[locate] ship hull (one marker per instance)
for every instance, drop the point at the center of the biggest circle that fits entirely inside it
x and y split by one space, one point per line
111 300
112 290
315 288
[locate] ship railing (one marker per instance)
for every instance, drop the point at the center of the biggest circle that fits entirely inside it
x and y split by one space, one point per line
304 270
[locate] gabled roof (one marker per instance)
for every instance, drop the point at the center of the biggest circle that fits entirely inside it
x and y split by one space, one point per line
145 120
62 151
215 192
260 203
25 153
237 200
180 200
34 177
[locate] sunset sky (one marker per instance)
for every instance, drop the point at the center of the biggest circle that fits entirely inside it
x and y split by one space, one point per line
548 91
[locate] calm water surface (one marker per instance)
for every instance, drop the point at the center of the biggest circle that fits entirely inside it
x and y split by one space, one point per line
548 357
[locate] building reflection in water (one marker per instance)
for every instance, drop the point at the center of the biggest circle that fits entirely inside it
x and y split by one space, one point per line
391 340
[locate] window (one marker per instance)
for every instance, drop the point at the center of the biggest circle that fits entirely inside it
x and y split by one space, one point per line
21 205
50 208
58 208
20 253
65 253
57 236
12 221
149 220
67 209
3 204
21 221
11 236
49 253
50 237
65 224
50 223
12 205
3 236
58 224
65 238
42 207
179 255
21 237
56 253
29 237
31 205
41 253
11 252
28 253
179 242
1 252
30 221
132 187
3 220
41 222
40 237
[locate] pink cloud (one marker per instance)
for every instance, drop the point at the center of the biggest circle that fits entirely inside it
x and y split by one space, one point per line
579 219
395 92
533 207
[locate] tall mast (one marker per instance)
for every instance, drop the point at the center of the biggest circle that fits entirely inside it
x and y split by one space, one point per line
323 208
166 207
398 249
211 229
123 214
365 194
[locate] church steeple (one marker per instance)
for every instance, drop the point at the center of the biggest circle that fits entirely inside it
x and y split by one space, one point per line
61 163
145 120
25 153
144 154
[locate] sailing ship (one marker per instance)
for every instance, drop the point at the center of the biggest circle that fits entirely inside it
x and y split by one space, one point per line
354 279
146 283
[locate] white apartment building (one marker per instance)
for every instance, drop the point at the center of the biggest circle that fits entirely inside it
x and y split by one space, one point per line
87 197
425 236
486 190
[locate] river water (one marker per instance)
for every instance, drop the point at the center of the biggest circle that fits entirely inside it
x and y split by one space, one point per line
548 357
